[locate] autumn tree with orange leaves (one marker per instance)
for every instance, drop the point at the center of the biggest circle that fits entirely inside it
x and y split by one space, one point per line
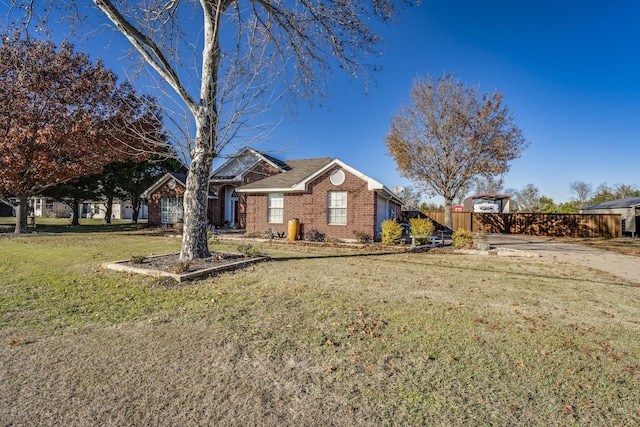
61 117
447 134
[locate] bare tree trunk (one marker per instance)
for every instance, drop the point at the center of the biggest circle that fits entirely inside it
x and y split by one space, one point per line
194 236
109 211
22 208
135 209
196 194
448 203
75 207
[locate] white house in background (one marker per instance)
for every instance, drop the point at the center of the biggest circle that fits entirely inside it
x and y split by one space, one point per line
628 208
120 210
45 207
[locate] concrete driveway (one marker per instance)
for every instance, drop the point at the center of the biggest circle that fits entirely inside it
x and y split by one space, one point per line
624 266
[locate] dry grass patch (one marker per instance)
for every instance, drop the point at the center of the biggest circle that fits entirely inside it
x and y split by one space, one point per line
623 245
316 338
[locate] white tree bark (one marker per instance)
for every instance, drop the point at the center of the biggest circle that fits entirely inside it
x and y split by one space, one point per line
203 151
289 43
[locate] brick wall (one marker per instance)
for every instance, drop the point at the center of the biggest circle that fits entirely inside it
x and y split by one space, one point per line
311 208
155 201
216 214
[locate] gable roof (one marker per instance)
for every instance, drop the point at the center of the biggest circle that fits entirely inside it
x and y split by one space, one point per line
628 202
242 162
298 171
180 178
302 172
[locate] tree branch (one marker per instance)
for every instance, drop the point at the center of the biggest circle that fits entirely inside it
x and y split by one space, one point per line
148 49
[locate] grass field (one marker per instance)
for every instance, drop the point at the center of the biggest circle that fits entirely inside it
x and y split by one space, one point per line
313 337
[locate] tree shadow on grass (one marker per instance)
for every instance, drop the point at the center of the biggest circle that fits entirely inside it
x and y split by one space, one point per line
515 274
335 255
61 228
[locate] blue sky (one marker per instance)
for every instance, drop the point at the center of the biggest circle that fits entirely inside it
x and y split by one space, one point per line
569 71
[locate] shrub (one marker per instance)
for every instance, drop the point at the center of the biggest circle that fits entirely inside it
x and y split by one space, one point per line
421 227
181 267
462 239
250 250
61 212
314 236
269 234
137 259
391 232
362 237
253 234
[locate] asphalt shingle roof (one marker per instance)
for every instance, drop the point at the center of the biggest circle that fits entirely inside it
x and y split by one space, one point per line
298 171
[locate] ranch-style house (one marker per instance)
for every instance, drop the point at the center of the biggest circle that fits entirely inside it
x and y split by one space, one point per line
257 192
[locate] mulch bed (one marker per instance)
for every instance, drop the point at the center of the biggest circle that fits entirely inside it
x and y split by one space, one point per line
171 262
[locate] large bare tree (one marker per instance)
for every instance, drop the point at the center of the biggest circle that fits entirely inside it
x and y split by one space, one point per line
242 50
447 134
582 191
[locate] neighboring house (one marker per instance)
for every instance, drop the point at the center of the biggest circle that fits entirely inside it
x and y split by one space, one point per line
487 203
326 195
120 209
629 210
257 192
45 207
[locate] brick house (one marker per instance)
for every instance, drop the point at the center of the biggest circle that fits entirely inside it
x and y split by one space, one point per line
257 192
326 195
164 199
245 167
226 208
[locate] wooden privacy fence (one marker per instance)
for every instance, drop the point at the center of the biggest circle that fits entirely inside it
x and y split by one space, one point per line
534 224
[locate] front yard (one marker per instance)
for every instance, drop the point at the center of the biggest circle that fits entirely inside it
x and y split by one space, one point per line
313 337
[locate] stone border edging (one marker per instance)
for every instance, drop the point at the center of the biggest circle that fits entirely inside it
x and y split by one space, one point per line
120 266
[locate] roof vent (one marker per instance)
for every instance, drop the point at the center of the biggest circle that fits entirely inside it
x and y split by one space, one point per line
337 177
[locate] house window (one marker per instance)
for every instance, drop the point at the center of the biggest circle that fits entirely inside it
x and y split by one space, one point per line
337 207
275 208
171 211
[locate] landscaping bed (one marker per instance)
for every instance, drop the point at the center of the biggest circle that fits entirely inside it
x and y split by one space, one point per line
170 265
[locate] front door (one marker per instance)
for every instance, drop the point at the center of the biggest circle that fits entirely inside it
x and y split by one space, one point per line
230 206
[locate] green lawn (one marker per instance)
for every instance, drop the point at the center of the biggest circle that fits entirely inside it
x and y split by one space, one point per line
314 337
